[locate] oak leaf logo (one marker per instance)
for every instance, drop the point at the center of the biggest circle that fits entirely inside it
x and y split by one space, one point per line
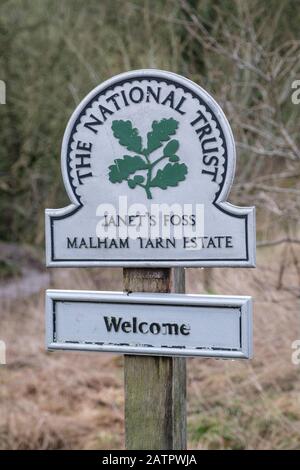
138 169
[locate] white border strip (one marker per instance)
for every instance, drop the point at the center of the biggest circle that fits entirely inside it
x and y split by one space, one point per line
242 302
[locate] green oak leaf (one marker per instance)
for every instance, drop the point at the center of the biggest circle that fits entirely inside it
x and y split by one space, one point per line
174 158
138 179
124 167
127 135
170 175
161 132
171 148
131 184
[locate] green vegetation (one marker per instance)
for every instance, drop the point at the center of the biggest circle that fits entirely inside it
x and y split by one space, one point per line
53 53
8 269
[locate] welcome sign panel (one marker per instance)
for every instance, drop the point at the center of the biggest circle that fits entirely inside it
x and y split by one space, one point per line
155 324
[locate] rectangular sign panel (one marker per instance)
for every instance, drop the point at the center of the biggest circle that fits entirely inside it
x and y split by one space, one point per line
149 324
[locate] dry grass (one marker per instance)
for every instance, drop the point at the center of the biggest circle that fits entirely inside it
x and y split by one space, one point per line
75 400
253 404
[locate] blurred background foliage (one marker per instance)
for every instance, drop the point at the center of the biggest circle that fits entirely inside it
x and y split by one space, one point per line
245 53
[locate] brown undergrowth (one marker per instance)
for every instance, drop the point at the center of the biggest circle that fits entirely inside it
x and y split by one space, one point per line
75 400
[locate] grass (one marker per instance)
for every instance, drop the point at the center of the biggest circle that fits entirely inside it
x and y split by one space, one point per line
8 269
75 400
247 423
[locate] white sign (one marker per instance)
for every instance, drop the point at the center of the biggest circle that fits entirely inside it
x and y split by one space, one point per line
148 159
154 324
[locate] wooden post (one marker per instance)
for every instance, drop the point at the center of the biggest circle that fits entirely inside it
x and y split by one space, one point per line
155 387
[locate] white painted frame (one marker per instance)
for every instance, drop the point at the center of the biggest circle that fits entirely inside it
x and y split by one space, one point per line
247 212
244 303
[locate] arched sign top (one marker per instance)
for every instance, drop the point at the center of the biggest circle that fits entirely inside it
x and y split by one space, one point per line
152 138
145 89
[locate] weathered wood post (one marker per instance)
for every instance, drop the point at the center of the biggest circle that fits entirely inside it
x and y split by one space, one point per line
155 387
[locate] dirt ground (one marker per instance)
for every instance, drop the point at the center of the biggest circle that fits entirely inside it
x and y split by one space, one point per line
66 400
